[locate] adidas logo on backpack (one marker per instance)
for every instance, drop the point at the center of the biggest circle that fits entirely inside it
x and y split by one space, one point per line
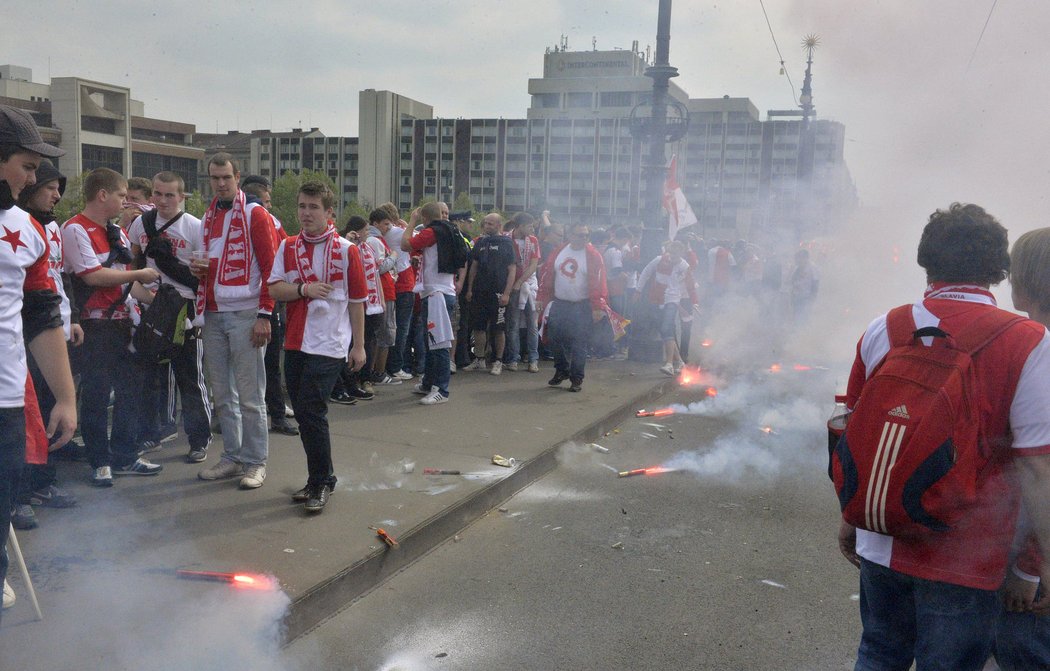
920 470
900 411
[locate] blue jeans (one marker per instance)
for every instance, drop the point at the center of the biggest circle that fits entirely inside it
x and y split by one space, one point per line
516 319
943 627
237 374
1022 641
397 359
570 327
438 371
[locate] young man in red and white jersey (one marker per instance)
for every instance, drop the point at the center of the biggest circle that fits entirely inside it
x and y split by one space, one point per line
521 310
319 275
239 241
932 598
97 255
398 364
257 187
437 291
668 280
177 237
29 312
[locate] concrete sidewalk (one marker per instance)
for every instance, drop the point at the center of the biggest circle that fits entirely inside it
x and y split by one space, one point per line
143 528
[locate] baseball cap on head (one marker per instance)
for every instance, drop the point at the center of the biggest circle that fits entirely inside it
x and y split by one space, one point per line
18 128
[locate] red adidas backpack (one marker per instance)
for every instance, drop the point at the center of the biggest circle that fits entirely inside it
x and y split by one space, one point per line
911 458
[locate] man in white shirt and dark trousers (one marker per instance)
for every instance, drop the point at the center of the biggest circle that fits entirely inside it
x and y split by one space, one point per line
167 244
319 275
573 283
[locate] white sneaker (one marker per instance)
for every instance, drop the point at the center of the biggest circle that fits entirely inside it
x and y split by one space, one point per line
433 398
477 364
389 379
534 367
418 388
452 366
402 375
254 476
222 470
513 365
667 369
9 596
497 367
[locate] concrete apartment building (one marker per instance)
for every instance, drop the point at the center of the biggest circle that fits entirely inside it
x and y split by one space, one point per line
100 125
574 154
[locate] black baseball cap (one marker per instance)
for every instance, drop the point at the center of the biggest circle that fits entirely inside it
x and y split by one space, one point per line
255 179
18 128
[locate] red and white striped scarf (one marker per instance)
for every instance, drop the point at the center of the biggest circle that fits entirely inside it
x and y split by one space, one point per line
374 303
332 253
235 265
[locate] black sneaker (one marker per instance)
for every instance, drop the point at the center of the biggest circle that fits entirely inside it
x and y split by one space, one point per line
52 497
302 495
361 393
23 517
576 385
197 455
284 428
342 398
166 434
318 498
558 378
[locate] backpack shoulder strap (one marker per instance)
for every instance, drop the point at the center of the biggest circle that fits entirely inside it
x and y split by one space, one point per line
985 329
900 325
149 223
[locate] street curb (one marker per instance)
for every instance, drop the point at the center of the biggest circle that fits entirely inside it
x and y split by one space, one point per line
330 596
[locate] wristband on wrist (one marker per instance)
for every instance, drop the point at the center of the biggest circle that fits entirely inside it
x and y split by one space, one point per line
300 289
262 315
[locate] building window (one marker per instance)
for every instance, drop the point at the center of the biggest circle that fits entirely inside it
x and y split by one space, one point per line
546 100
579 100
616 99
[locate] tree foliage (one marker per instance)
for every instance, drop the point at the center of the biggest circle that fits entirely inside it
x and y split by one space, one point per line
285 195
195 204
72 200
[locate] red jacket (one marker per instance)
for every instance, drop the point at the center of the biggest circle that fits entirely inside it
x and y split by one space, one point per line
595 278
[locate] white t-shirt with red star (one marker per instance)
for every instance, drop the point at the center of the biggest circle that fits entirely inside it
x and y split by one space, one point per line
54 268
23 267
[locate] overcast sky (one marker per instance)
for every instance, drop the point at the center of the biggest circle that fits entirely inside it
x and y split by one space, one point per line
924 125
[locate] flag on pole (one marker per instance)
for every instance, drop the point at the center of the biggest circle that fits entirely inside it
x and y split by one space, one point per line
681 215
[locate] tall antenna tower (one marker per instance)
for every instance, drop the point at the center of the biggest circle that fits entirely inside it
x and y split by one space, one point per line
805 101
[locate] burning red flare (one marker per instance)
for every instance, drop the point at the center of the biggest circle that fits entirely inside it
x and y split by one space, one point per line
652 470
711 391
689 376
663 412
706 343
800 367
242 580
775 368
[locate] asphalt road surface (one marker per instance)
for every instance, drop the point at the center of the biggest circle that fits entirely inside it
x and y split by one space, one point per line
726 560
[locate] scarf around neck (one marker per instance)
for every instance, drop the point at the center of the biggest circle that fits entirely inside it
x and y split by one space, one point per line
331 254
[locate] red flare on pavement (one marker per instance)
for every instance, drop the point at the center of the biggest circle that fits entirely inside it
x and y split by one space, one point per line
775 368
800 367
706 343
689 376
663 412
711 391
243 580
652 470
